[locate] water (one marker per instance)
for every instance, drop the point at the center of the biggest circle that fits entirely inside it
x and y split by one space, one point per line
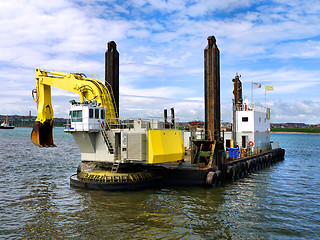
37 202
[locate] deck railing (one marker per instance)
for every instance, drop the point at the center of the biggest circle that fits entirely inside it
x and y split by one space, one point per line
251 107
247 152
149 123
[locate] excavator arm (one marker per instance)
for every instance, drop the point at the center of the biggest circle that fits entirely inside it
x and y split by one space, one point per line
87 88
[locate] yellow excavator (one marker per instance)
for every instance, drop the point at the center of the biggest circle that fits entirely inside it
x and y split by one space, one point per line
89 89
103 139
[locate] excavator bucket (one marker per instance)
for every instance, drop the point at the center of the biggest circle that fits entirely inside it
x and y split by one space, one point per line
42 134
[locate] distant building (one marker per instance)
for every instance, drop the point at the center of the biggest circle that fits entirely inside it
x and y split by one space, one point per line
289 125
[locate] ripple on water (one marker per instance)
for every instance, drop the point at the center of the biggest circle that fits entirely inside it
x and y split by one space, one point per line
37 202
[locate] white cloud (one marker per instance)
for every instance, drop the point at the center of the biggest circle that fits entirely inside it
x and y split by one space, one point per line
299 111
184 110
38 33
160 92
298 49
161 49
142 69
296 87
160 59
286 75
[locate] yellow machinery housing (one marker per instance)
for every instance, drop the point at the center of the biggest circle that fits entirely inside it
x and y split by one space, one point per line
165 146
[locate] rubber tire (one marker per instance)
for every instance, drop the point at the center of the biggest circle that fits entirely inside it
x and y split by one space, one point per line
211 178
230 171
235 169
219 178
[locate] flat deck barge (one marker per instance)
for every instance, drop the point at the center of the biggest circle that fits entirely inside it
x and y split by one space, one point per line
187 174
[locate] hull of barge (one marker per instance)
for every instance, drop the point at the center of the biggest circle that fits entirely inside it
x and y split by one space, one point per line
186 174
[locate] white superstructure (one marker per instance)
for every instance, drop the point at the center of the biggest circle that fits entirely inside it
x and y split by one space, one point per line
252 127
128 140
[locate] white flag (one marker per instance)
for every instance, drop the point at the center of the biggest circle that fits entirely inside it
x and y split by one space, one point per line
257 85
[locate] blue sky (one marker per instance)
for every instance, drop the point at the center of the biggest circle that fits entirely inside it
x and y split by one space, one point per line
161 47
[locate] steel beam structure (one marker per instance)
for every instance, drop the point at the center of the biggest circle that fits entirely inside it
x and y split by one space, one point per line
112 71
212 90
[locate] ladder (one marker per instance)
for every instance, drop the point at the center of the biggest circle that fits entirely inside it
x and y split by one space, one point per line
106 139
115 167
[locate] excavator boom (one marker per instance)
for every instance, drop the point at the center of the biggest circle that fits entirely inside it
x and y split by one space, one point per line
87 88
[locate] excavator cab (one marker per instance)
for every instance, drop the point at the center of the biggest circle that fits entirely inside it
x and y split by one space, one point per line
42 134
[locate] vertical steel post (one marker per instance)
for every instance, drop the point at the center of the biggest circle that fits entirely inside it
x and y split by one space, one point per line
212 89
165 112
237 90
212 98
234 123
112 71
172 118
237 101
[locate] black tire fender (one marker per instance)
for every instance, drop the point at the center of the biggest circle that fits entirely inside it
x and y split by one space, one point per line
211 178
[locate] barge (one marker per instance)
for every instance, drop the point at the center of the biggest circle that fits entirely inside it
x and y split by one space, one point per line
132 154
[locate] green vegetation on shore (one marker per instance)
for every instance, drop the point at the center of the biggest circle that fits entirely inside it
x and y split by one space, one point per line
19 123
28 121
302 130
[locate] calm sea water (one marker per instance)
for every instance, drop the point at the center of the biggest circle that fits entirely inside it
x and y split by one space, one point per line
37 202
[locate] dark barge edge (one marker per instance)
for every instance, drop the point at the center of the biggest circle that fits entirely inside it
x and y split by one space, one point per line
113 186
186 175
174 174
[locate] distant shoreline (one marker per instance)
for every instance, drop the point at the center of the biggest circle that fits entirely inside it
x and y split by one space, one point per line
308 133
32 127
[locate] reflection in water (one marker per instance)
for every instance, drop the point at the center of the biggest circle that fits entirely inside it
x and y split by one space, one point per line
152 214
37 202
38 205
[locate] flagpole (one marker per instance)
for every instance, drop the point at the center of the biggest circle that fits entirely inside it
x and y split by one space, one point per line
252 95
265 96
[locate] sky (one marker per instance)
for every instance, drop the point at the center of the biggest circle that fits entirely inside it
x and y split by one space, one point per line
161 46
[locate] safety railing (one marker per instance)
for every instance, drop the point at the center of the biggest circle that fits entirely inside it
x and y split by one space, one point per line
149 123
85 125
236 153
251 107
201 134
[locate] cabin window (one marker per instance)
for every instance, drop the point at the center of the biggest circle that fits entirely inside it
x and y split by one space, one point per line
91 113
76 116
96 113
260 119
245 119
103 114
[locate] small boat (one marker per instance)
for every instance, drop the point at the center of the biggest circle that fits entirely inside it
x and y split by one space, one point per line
6 125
